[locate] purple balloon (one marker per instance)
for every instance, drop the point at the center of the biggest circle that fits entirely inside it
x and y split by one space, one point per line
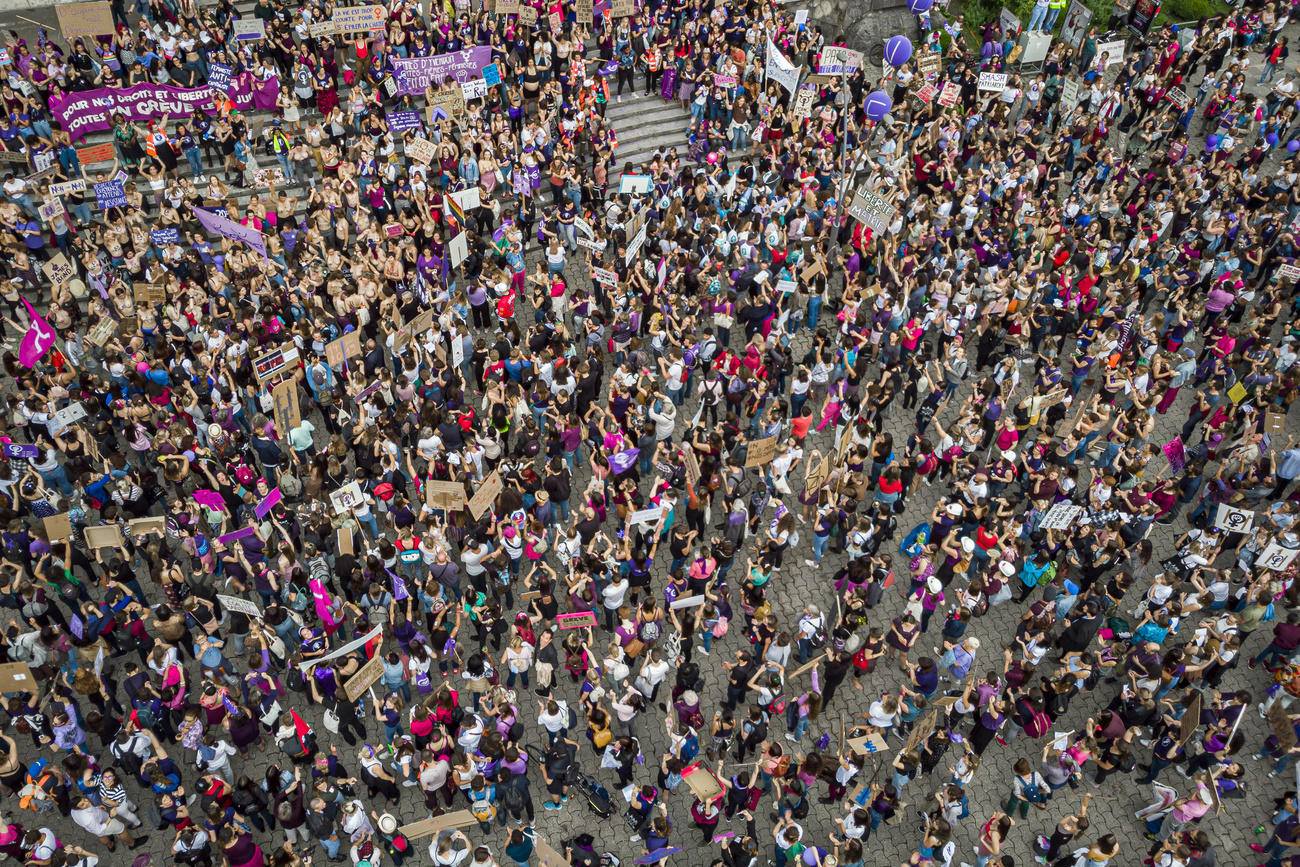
878 105
898 50
1293 145
917 7
1271 138
1211 142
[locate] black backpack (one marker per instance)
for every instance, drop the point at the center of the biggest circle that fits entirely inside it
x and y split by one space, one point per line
559 762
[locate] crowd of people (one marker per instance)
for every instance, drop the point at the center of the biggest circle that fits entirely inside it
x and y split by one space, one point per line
452 462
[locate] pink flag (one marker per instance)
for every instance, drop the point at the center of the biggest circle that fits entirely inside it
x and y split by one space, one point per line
38 340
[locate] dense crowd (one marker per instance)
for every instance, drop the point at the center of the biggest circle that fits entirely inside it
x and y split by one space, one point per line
460 461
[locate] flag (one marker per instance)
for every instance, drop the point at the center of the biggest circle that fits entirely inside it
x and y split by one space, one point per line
621 462
38 340
455 215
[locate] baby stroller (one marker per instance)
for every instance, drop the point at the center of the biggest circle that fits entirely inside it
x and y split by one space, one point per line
595 794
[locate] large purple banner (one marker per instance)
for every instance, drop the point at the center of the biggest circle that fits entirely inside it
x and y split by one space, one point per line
414 74
219 225
92 110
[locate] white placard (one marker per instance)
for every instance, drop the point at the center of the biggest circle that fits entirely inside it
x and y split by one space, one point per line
346 498
635 185
65 418
688 602
1113 50
475 88
345 649
468 199
457 352
646 517
1070 93
238 605
785 287
1061 516
594 246
77 186
1276 557
782 71
1287 271
459 248
635 246
993 81
583 226
1234 520
604 275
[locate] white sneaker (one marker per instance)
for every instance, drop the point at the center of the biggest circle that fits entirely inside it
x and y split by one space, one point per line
636 837
789 737
809 563
704 652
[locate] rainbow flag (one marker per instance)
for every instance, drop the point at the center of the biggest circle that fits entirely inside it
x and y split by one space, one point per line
455 215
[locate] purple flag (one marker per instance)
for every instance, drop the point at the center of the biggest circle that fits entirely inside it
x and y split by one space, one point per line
621 462
226 228
262 509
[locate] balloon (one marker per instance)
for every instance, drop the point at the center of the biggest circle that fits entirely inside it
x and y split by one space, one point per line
919 6
898 50
1211 142
878 105
1293 145
1271 138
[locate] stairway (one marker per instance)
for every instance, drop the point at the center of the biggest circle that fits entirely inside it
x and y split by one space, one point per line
643 124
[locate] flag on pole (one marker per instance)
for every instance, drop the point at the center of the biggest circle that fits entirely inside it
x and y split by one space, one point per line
455 215
621 462
38 340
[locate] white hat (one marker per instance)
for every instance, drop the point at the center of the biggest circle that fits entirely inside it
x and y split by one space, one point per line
933 585
387 824
1009 455
968 544
1006 568
954 509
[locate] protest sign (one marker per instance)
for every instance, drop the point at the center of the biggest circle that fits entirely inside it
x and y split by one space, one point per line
1112 52
1077 19
360 19
77 186
267 503
346 498
51 210
1061 516
227 228
320 29
414 74
284 404
401 121
760 452
949 95
448 496
88 156
576 621
57 527
85 19
438 824
870 209
149 294
421 150
1276 557
249 29
110 194
17 677
622 8
486 495
1234 520
367 674
995 82
165 236
239 605
103 536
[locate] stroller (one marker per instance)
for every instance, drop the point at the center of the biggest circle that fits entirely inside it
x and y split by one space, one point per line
595 794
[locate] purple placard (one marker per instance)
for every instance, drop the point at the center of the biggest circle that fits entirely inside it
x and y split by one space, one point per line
401 121
22 450
414 74
77 626
1176 453
86 111
226 228
269 502
209 498
237 535
399 586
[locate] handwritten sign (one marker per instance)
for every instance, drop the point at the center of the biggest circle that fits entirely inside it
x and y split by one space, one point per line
486 495
85 19
77 186
110 194
421 150
1234 520
360 19
367 674
249 29
576 621
760 452
993 81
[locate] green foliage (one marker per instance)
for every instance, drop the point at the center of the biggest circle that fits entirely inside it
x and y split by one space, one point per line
977 13
1177 11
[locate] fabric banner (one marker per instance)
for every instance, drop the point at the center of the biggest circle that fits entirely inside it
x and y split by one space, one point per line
88 111
780 70
414 74
38 340
226 228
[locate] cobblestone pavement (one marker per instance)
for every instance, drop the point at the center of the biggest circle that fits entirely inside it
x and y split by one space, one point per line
1112 808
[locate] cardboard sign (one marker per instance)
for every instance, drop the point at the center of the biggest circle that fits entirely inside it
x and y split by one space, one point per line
547 855
421 150
438 824
486 495
868 744
85 19
870 209
103 536
101 332
59 269
339 351
51 210
702 782
345 498
239 605
318 29
358 683
57 527
65 418
1274 423
760 452
448 496
527 16
360 19
149 294
622 8
806 667
576 621
343 540
450 101
583 12
145 526
692 465
284 404
1234 520
17 676
249 29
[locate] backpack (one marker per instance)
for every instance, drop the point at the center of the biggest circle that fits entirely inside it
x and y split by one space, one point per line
482 809
720 628
558 763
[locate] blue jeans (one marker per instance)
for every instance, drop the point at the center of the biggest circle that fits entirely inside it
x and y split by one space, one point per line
195 159
814 310
1040 13
523 679
819 547
805 650
706 639
1052 15
58 477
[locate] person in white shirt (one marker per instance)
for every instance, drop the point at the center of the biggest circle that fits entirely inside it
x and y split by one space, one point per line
98 821
554 717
